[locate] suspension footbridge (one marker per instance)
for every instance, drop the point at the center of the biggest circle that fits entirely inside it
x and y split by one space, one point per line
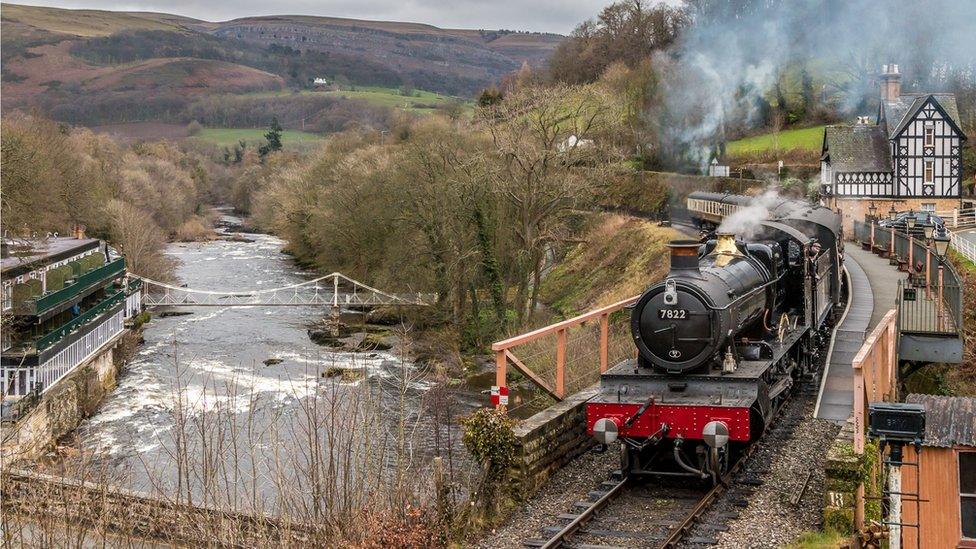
333 290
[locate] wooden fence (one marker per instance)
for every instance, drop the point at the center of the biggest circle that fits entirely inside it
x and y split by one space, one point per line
875 373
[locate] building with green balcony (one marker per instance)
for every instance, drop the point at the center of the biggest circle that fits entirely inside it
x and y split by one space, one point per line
64 301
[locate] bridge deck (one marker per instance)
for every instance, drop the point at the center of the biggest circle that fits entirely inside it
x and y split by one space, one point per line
874 287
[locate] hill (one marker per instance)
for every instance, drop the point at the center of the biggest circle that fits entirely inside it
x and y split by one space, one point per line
98 67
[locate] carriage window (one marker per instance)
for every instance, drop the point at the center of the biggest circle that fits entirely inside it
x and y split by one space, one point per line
929 171
929 136
967 493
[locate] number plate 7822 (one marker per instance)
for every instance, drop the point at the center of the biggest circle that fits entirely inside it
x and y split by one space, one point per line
672 314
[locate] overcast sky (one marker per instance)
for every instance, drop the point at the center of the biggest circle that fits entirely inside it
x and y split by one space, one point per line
536 15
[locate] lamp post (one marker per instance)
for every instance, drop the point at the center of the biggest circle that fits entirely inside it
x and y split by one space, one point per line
941 248
929 229
910 221
892 213
872 212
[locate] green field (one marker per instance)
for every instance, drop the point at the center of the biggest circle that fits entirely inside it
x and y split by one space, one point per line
418 100
806 138
253 136
391 97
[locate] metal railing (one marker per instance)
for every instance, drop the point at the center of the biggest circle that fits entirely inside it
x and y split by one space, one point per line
934 291
42 303
55 336
546 365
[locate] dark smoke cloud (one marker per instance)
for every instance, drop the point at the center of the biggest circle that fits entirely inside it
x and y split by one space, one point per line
735 52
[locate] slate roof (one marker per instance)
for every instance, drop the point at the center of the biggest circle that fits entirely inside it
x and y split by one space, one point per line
949 421
858 148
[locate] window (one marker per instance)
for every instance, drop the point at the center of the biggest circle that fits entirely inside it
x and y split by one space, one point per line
929 172
929 136
967 493
928 206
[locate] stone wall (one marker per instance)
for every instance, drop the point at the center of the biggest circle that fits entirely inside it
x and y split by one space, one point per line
857 208
851 495
550 439
132 515
61 408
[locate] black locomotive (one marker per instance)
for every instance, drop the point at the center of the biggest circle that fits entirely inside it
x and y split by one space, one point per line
721 341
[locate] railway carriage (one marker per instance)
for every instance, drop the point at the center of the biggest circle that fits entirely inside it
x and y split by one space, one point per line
722 339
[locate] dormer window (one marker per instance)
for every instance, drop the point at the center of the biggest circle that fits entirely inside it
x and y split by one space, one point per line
929 136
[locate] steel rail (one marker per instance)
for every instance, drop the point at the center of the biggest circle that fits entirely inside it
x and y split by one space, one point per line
705 502
559 537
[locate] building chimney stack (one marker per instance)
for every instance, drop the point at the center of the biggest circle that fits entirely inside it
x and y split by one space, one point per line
890 82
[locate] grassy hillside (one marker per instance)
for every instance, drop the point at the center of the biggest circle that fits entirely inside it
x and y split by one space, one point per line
93 67
619 257
809 139
84 23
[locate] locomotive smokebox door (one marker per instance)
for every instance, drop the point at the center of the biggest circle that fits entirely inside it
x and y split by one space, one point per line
715 434
605 430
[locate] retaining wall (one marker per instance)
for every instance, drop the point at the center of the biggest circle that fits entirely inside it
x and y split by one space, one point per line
61 409
549 440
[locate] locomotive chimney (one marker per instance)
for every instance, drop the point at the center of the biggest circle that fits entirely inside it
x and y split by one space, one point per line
725 244
684 255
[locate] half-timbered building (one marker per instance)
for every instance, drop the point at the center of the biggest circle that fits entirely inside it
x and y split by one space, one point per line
908 157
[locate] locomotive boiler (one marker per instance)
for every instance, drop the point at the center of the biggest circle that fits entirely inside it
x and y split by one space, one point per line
735 324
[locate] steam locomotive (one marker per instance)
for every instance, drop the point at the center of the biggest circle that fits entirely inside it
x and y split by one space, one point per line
723 338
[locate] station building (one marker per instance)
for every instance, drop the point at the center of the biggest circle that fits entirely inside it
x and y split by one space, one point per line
909 157
945 476
65 299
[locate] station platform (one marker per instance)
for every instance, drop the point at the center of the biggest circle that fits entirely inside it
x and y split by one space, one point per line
873 292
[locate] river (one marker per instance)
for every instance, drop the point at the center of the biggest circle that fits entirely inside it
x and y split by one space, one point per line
198 401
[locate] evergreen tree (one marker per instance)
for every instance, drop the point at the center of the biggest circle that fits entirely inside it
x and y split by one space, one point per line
273 137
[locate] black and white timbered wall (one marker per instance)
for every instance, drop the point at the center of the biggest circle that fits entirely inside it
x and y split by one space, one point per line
926 154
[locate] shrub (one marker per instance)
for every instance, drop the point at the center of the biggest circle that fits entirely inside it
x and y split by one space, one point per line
490 437
193 230
194 128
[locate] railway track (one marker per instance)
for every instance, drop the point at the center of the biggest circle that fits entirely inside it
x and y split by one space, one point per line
668 514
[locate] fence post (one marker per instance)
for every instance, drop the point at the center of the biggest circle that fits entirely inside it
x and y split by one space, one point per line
501 363
955 217
604 342
928 272
872 236
891 253
858 410
561 363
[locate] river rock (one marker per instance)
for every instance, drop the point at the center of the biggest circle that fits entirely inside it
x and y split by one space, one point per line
165 314
374 342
